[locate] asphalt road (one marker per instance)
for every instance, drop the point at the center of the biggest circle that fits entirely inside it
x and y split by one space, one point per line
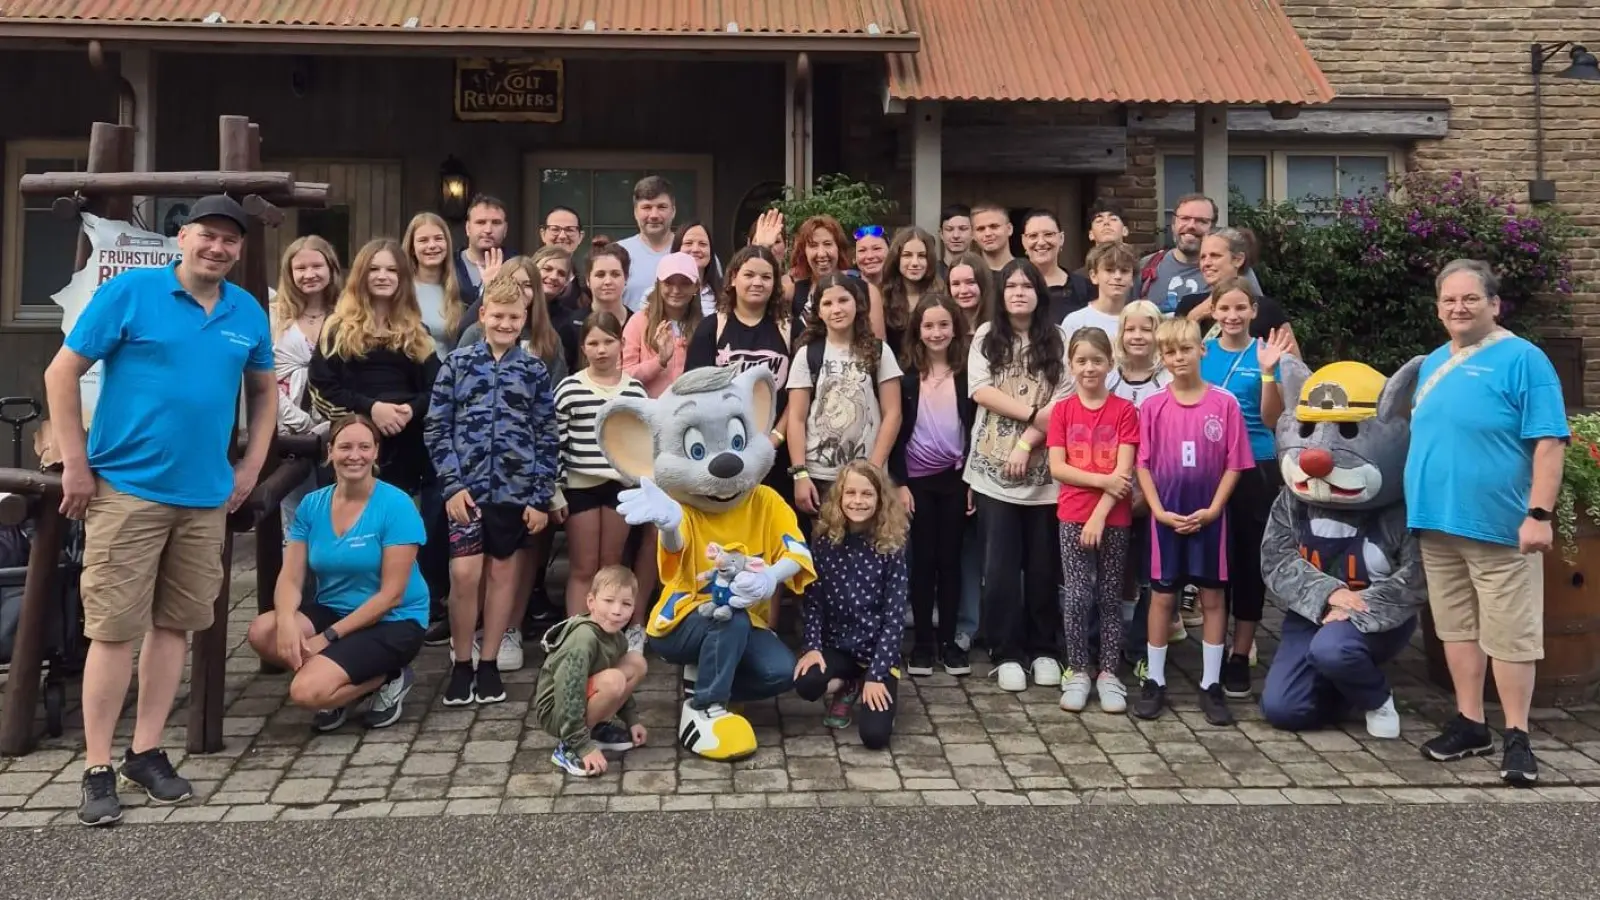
1104 853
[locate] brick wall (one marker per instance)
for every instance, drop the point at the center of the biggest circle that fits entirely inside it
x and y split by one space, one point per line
1475 53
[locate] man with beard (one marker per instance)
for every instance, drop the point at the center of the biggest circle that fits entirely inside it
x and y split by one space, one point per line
654 211
153 483
486 246
1166 276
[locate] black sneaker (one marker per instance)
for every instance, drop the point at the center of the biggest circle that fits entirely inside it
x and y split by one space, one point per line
152 773
1236 676
438 634
956 661
328 719
1152 699
487 687
1518 768
611 736
458 692
921 662
1460 739
100 805
1215 707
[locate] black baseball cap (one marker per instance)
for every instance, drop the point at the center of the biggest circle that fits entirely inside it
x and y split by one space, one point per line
219 206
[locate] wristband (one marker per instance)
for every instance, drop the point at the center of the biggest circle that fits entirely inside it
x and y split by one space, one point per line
778 437
1268 378
1024 445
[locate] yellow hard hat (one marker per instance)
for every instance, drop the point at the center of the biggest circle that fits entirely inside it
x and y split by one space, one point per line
1341 392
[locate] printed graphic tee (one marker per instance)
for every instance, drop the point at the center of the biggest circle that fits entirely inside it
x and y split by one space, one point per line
1092 438
1187 448
843 422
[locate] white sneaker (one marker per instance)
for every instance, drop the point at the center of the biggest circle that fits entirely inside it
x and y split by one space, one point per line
1384 722
635 635
1255 657
964 641
1113 695
1178 632
477 646
510 658
1075 691
1046 672
1013 677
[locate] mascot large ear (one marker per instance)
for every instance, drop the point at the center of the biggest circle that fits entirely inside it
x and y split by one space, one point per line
1400 390
1292 375
626 432
758 384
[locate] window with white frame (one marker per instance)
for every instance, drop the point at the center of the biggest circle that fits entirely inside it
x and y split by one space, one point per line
39 247
600 187
1275 176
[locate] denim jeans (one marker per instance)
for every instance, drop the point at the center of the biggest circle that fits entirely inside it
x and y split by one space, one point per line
971 578
738 661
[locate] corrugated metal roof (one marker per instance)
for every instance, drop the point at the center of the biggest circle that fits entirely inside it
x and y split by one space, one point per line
792 17
1128 51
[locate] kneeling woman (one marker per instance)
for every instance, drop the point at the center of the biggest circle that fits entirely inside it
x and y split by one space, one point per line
358 539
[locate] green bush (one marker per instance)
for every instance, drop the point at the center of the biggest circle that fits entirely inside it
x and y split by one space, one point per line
1356 276
853 203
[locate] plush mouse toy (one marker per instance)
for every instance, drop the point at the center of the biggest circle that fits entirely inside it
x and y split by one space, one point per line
698 454
726 564
1337 555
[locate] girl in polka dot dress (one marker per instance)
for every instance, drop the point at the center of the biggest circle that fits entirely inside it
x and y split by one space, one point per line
855 612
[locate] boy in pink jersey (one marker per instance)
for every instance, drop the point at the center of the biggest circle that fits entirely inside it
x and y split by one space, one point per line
1192 447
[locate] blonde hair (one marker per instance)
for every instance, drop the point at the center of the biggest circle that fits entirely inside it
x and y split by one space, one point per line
1137 309
1233 284
655 312
352 330
886 531
454 309
614 577
289 304
502 292
1174 333
542 341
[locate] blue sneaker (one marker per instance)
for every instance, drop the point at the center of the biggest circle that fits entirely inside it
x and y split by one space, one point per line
387 699
564 758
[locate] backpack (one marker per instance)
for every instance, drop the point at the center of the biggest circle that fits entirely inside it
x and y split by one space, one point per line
1147 272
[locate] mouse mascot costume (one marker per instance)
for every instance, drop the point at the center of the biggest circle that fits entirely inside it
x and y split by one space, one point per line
1337 555
698 454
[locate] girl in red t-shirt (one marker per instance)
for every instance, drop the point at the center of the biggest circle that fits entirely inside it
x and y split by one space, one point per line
1093 438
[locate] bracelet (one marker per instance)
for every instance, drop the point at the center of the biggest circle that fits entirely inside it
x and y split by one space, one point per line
1024 445
778 437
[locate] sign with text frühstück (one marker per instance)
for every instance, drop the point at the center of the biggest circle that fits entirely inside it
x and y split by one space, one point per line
509 90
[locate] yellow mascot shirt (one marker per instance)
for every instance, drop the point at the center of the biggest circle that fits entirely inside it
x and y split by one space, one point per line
764 524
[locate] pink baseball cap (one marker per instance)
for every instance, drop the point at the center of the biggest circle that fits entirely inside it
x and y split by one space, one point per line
677 264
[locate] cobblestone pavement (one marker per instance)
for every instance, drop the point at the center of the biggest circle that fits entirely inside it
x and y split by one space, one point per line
958 742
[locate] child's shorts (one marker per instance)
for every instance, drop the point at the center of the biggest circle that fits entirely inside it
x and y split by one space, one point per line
1199 559
497 531
601 496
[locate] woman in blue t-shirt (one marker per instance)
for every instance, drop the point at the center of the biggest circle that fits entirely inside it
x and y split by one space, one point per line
358 539
1246 367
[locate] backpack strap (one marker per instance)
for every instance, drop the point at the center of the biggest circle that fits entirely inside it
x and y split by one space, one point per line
1147 273
722 322
814 351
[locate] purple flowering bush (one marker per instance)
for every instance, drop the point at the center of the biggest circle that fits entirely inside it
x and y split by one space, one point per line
1361 286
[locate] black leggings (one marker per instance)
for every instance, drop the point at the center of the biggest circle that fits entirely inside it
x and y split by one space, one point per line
874 726
1021 612
1248 509
936 531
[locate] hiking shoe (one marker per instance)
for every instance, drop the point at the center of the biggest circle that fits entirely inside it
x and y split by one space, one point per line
1152 699
921 662
1384 722
1236 677
99 805
1013 677
152 773
1047 672
385 710
1215 706
567 761
486 684
1460 739
438 634
1113 695
1518 768
635 636
613 736
840 707
329 719
1075 691
458 692
510 658
956 661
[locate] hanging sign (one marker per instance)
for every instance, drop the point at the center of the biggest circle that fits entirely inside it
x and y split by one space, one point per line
509 90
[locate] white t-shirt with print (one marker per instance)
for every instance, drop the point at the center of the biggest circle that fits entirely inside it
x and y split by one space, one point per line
842 423
1089 317
994 436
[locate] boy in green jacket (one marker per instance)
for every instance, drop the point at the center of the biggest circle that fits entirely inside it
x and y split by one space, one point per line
585 692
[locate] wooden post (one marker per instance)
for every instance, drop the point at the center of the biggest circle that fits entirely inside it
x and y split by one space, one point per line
27 654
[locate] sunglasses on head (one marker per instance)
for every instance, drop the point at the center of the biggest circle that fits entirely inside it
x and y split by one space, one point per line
867 231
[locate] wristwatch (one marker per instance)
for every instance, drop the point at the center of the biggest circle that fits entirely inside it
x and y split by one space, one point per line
1538 514
330 635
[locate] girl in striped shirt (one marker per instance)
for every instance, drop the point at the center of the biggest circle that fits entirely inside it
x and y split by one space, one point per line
596 532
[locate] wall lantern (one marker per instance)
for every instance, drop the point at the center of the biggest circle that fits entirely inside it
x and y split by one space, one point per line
1584 68
455 189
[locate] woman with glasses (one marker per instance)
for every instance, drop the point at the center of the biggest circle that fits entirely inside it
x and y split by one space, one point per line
1041 240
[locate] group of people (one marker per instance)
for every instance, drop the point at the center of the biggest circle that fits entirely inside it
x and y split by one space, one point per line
1084 464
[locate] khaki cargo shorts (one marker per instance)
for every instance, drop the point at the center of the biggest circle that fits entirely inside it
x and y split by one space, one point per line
1483 592
146 564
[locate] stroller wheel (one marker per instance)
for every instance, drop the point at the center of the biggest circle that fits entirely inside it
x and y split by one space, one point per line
55 701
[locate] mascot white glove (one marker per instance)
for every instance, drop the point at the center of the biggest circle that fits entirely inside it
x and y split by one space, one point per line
648 504
752 587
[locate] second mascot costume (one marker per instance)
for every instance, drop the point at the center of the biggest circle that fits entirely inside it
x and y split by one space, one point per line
698 454
1337 555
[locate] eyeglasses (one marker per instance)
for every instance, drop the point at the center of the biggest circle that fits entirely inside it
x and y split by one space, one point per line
562 229
867 231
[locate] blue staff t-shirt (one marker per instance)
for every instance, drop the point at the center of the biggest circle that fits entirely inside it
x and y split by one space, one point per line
1471 460
169 386
349 568
1239 373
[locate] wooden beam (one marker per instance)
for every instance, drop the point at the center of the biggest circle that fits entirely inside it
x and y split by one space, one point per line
1415 121
17 737
1035 149
111 183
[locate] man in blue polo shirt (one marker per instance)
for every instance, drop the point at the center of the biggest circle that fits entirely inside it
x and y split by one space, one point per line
152 481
